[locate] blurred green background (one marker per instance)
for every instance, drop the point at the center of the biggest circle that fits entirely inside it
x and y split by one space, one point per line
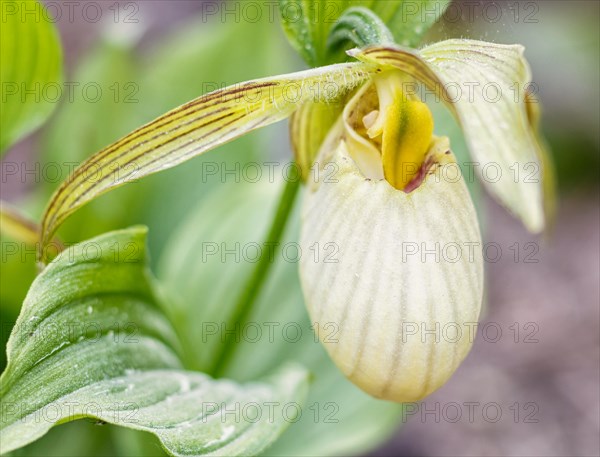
178 50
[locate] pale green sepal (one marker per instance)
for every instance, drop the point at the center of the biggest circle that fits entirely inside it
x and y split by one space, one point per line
492 81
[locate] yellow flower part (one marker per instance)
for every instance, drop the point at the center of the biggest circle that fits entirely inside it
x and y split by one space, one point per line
389 133
406 129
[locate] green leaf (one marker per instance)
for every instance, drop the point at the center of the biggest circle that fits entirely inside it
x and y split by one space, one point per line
30 69
357 27
213 250
91 438
92 341
307 23
409 20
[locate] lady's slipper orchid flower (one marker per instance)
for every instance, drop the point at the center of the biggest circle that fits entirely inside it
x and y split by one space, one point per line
390 193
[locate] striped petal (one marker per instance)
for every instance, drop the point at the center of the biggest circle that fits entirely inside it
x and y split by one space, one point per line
397 304
485 85
194 128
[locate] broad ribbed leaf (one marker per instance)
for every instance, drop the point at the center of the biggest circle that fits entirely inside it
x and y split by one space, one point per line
194 128
407 263
215 249
92 341
30 69
307 22
485 85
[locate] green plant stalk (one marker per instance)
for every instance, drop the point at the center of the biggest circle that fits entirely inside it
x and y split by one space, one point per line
256 281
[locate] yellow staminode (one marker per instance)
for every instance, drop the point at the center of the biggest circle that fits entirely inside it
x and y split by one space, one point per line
406 127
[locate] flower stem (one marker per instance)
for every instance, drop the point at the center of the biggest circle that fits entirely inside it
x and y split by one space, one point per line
257 278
